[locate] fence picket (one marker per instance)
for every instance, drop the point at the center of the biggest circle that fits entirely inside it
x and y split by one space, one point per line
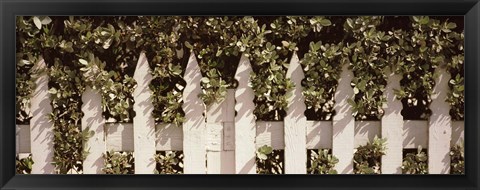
224 142
245 126
295 122
93 121
440 130
343 123
392 127
194 126
23 139
41 127
143 122
219 161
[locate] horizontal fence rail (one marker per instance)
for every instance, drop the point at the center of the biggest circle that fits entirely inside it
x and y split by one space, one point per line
223 138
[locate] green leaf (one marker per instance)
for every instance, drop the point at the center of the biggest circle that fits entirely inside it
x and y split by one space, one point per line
325 22
45 20
37 22
451 25
83 62
52 90
188 45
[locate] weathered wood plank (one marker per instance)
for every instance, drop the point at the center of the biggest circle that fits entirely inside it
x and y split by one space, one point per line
270 133
229 136
392 127
41 126
244 120
343 123
23 139
119 137
169 137
144 124
319 134
295 122
415 133
228 145
365 131
93 121
194 129
217 156
440 126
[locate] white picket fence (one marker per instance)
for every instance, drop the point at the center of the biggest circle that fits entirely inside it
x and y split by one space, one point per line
222 142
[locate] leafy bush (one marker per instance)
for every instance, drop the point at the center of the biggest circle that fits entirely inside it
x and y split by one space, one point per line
24 165
65 92
102 52
31 33
430 45
367 158
119 163
415 163
322 162
159 38
457 156
269 161
169 162
456 95
368 60
322 66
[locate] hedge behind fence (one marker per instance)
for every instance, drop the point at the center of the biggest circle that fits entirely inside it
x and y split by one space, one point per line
102 52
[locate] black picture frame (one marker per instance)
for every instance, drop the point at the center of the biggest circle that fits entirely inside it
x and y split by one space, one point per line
10 8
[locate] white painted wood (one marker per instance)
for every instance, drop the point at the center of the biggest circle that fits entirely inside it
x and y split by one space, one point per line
229 136
23 155
214 138
223 162
392 127
230 104
270 133
415 133
194 126
244 120
229 122
93 121
365 131
440 126
343 123
169 137
144 124
319 134
216 113
119 137
23 139
219 161
41 128
295 122
228 146
458 132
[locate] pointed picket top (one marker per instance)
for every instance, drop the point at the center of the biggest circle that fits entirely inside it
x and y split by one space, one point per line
40 125
392 126
194 129
143 123
245 126
295 97
142 74
192 77
295 122
440 122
